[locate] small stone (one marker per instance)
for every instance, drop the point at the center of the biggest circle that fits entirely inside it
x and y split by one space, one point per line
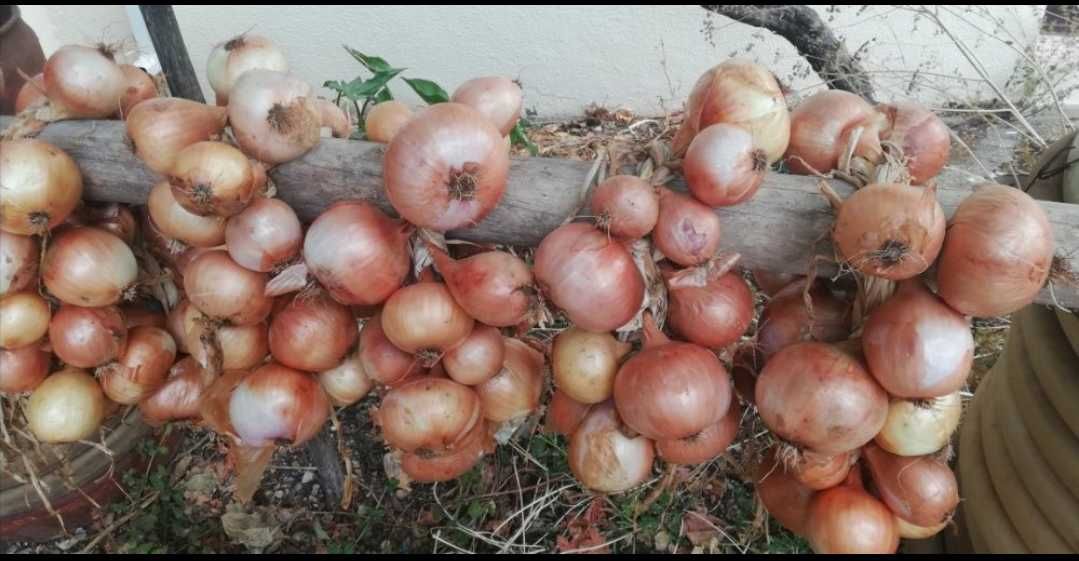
308 476
278 494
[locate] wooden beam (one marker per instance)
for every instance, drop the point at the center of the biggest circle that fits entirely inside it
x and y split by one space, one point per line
779 229
171 51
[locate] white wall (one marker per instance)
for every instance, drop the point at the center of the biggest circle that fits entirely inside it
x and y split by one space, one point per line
642 57
57 26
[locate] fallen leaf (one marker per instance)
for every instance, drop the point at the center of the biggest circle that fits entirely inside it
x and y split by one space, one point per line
256 530
702 530
582 533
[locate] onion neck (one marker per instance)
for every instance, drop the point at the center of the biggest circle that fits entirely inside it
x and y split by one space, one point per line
652 335
702 275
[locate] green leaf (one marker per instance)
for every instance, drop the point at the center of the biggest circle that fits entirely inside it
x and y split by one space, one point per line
383 95
428 91
372 63
360 89
519 138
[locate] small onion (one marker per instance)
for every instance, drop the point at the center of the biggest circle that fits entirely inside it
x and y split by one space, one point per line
160 128
427 467
816 396
497 98
446 169
722 167
890 230
357 253
212 179
603 458
24 319
708 305
178 223
84 82
687 231
312 333
920 427
921 490
347 382
385 120
997 254
433 414
265 236
88 267
924 138
425 319
494 287
515 391
221 289
626 206
477 358
824 126
42 185
564 414
88 337
705 445
142 367
180 397
274 116
787 320
278 403
230 59
783 496
67 406
19 257
383 362
846 519
584 364
138 86
820 472
592 278
22 369
671 389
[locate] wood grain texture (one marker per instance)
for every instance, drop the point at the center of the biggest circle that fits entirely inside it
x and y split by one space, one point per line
780 229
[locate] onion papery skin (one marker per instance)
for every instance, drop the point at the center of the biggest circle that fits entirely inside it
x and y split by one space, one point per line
424 317
223 290
181 395
476 359
818 397
276 403
687 232
160 128
88 337
385 120
429 468
88 267
357 253
920 427
603 458
497 98
564 414
178 223
924 138
446 169
313 333
515 391
705 445
347 382
67 406
265 236
847 519
19 256
997 254
626 206
890 230
212 179
494 287
84 82
786 319
740 93
381 360
433 414
592 278
584 364
721 166
921 490
274 116
709 306
142 368
822 127
916 346
42 185
23 369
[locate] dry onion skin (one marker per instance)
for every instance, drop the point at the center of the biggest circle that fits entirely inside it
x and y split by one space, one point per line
829 126
159 129
603 458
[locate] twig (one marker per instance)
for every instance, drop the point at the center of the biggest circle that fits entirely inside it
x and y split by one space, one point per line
120 522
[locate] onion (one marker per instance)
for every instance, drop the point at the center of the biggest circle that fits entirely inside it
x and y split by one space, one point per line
741 93
331 116
687 231
84 82
818 397
22 369
24 319
265 236
671 389
138 86
890 230
88 337
180 396
846 519
214 409
88 267
921 490
787 320
705 445
42 185
446 168
745 365
278 403
142 367
385 120
221 289
497 98
564 414
347 382
494 287
67 407
358 254
770 283
114 218
819 472
783 496
18 262
31 93
722 167
231 59
176 222
997 254
212 179
428 467
244 346
160 128
312 333
274 116
140 313
592 278
584 364
515 391
916 346
431 414
603 458
477 358
708 305
626 206
909 531
383 362
235 347
920 427
167 250
424 319
924 138
829 126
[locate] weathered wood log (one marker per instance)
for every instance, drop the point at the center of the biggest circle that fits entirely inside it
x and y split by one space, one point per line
780 229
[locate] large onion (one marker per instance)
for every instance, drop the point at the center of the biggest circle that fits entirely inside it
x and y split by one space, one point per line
477 358
424 319
997 254
921 490
178 223
592 278
847 519
265 236
671 389
212 179
221 289
312 333
24 319
708 305
515 391
231 59
180 396
142 367
274 116
584 364
381 360
494 287
705 445
722 167
22 369
42 185
626 206
160 128
818 397
603 458
920 427
84 82
347 382
428 467
434 414
924 138
68 406
786 318
687 231
87 337
824 128
19 257
88 267
278 403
